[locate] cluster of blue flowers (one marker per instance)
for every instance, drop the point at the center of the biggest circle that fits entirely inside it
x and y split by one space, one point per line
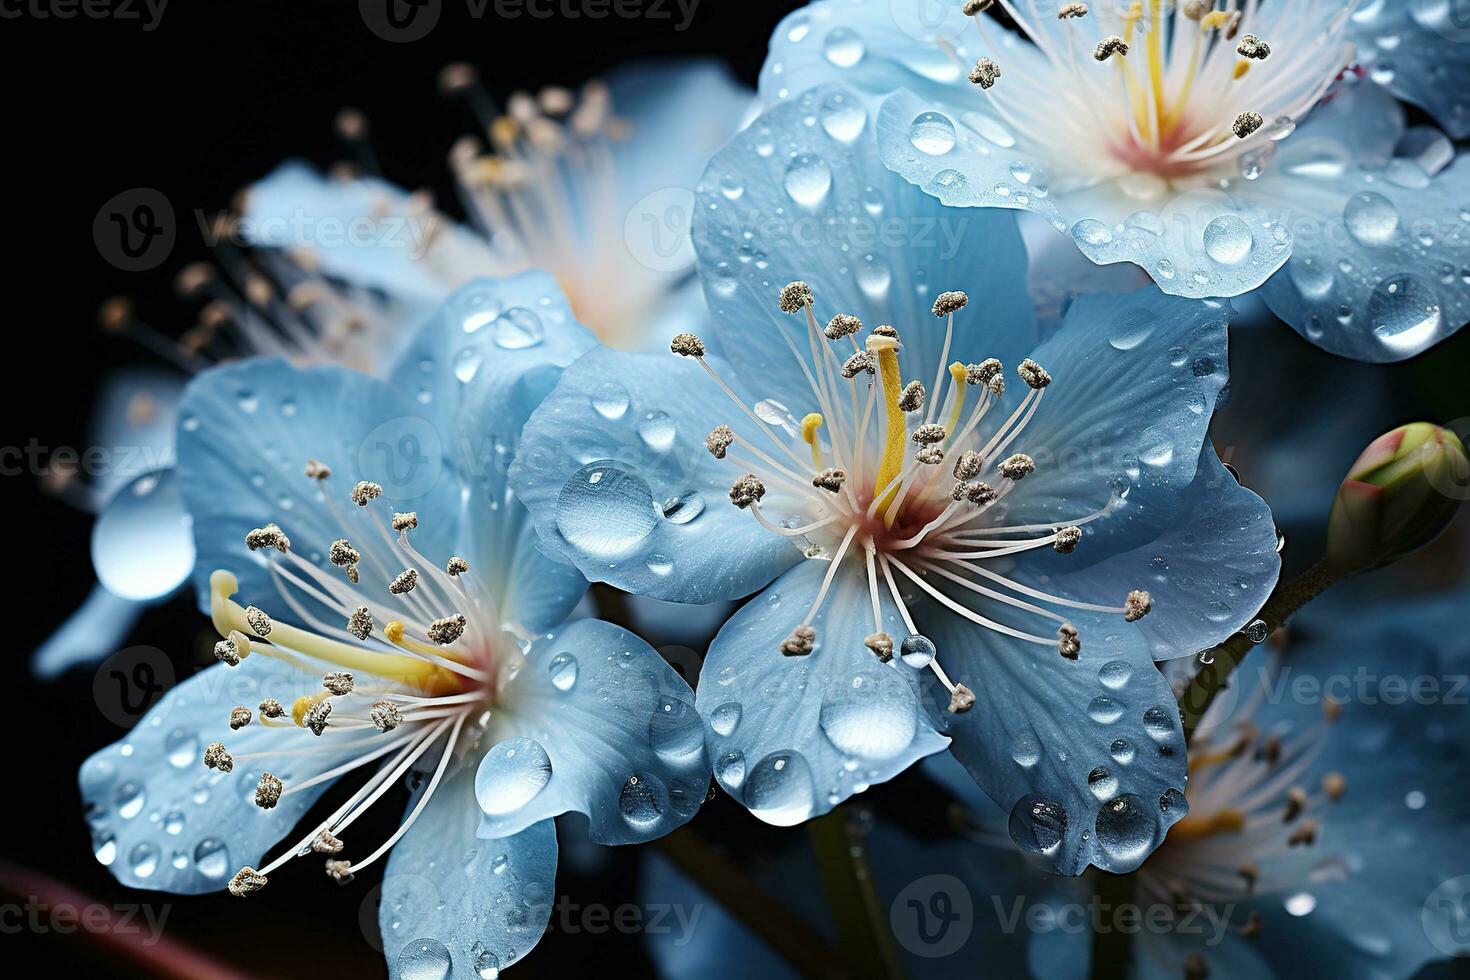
962 481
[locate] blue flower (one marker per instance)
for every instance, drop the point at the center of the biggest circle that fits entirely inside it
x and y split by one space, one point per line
988 546
1326 807
385 610
349 266
1219 153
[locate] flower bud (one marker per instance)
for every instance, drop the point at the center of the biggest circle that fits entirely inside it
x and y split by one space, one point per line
1401 493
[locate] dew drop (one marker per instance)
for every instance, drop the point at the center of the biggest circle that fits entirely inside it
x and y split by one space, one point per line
932 133
1125 828
610 400
642 802
917 650
871 718
212 858
1404 313
843 47
657 431
518 328
684 508
1371 218
512 773
1104 710
808 179
563 671
779 788
675 731
1228 239
1037 824
424 959
726 718
604 510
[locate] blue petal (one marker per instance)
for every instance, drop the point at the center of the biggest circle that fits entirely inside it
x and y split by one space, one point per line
1124 425
614 470
792 737
365 231
1087 756
1375 271
1202 242
596 722
801 194
456 906
478 369
97 629
245 435
872 46
1417 51
161 820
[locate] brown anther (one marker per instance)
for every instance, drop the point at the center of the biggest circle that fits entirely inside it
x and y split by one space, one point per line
339 682
245 881
1334 784
360 623
718 441
984 372
385 715
258 621
800 642
216 756
1067 539
961 699
267 791
842 325
340 871
746 491
1251 46
448 629
1109 46
405 521
1247 123
1305 834
325 843
929 434
881 644
239 717
1137 605
269 536
363 491
1071 11
342 554
456 565
859 362
795 296
985 73
1017 467
1033 374
270 708
911 399
317 470
316 717
830 480
687 345
404 582
1296 802
1069 644
968 466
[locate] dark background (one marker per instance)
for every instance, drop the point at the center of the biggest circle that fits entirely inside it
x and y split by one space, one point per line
207 102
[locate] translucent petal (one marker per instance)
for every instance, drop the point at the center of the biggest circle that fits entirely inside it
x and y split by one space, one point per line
593 721
458 906
792 737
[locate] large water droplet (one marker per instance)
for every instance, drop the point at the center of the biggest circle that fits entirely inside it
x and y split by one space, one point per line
657 431
932 133
642 802
1104 710
730 769
1228 239
143 859
512 773
844 47
424 959
604 510
684 508
467 364
917 650
518 328
129 799
870 718
675 731
563 671
726 718
181 748
143 541
1125 829
1371 218
808 179
1102 783
779 788
1026 749
842 117
1404 313
1090 231
610 400
1114 674
1037 824
212 858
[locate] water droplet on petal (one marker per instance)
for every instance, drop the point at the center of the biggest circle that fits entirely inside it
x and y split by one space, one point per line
932 133
1228 239
917 650
1037 824
808 179
604 510
642 802
424 959
518 328
143 541
779 788
844 47
1371 218
512 773
1125 829
563 671
725 718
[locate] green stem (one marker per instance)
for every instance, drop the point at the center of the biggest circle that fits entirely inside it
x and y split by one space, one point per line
862 928
1221 660
1110 945
806 951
